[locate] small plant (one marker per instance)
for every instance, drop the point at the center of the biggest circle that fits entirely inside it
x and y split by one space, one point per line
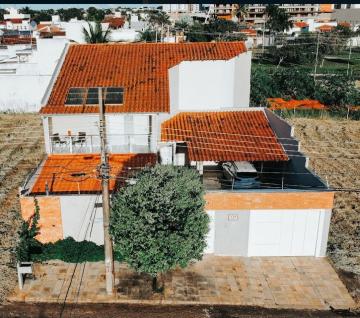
96 34
27 241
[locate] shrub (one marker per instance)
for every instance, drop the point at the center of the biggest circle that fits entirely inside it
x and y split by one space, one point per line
336 91
28 231
71 251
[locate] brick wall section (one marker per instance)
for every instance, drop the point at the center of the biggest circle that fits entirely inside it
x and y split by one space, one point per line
50 222
270 200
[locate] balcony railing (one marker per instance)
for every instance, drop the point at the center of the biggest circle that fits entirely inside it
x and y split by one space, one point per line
119 143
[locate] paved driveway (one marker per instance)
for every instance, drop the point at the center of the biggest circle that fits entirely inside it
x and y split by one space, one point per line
272 282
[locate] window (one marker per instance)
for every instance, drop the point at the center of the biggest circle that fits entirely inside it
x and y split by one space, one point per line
90 96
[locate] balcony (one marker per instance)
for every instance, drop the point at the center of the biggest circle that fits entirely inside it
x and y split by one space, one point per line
269 177
83 143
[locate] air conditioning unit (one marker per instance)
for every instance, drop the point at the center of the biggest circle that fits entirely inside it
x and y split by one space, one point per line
166 155
179 159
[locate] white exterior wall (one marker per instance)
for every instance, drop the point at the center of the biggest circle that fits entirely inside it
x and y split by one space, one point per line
269 232
23 91
210 85
81 219
122 129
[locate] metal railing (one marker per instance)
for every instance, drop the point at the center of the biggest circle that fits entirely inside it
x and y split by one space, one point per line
116 143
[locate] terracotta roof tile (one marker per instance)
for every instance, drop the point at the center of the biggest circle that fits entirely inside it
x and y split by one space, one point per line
301 24
141 69
225 136
78 173
114 22
279 103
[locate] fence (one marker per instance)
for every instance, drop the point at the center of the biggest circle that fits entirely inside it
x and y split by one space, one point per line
119 143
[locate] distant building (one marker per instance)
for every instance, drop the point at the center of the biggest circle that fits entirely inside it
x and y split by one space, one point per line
223 11
16 21
181 8
26 67
256 12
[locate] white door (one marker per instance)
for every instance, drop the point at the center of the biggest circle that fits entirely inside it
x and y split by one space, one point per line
283 232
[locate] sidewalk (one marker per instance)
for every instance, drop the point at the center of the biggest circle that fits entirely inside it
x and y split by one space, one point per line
272 282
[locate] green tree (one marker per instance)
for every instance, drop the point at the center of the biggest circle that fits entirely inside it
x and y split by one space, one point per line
241 11
278 20
26 10
2 12
71 13
96 34
94 14
158 19
215 30
333 90
196 33
337 91
181 24
159 222
28 231
262 87
148 35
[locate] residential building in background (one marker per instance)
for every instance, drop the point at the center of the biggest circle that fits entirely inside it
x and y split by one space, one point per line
181 8
256 12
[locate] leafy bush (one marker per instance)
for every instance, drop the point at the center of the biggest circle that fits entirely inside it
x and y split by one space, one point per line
334 90
28 231
71 251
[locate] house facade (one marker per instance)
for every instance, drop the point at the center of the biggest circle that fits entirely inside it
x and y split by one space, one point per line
181 104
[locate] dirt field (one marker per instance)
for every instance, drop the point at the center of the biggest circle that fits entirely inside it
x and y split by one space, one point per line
324 140
21 148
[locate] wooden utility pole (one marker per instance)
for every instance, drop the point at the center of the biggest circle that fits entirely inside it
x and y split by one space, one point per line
104 175
317 55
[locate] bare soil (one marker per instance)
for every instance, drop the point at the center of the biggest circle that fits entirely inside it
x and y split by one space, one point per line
160 311
334 150
21 149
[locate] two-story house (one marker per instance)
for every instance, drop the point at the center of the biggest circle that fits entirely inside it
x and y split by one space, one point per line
183 104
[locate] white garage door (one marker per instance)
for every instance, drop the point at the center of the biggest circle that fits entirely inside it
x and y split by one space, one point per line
283 232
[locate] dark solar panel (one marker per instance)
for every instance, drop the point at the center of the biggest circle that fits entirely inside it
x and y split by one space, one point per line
75 96
114 95
90 96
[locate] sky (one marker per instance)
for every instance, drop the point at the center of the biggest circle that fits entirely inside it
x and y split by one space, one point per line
69 5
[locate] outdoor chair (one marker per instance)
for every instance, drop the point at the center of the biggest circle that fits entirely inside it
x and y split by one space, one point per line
81 138
57 140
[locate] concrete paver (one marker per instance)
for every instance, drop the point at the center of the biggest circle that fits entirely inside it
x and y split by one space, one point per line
272 282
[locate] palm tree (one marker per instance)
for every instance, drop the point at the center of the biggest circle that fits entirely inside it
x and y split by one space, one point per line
159 18
96 34
241 11
278 19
